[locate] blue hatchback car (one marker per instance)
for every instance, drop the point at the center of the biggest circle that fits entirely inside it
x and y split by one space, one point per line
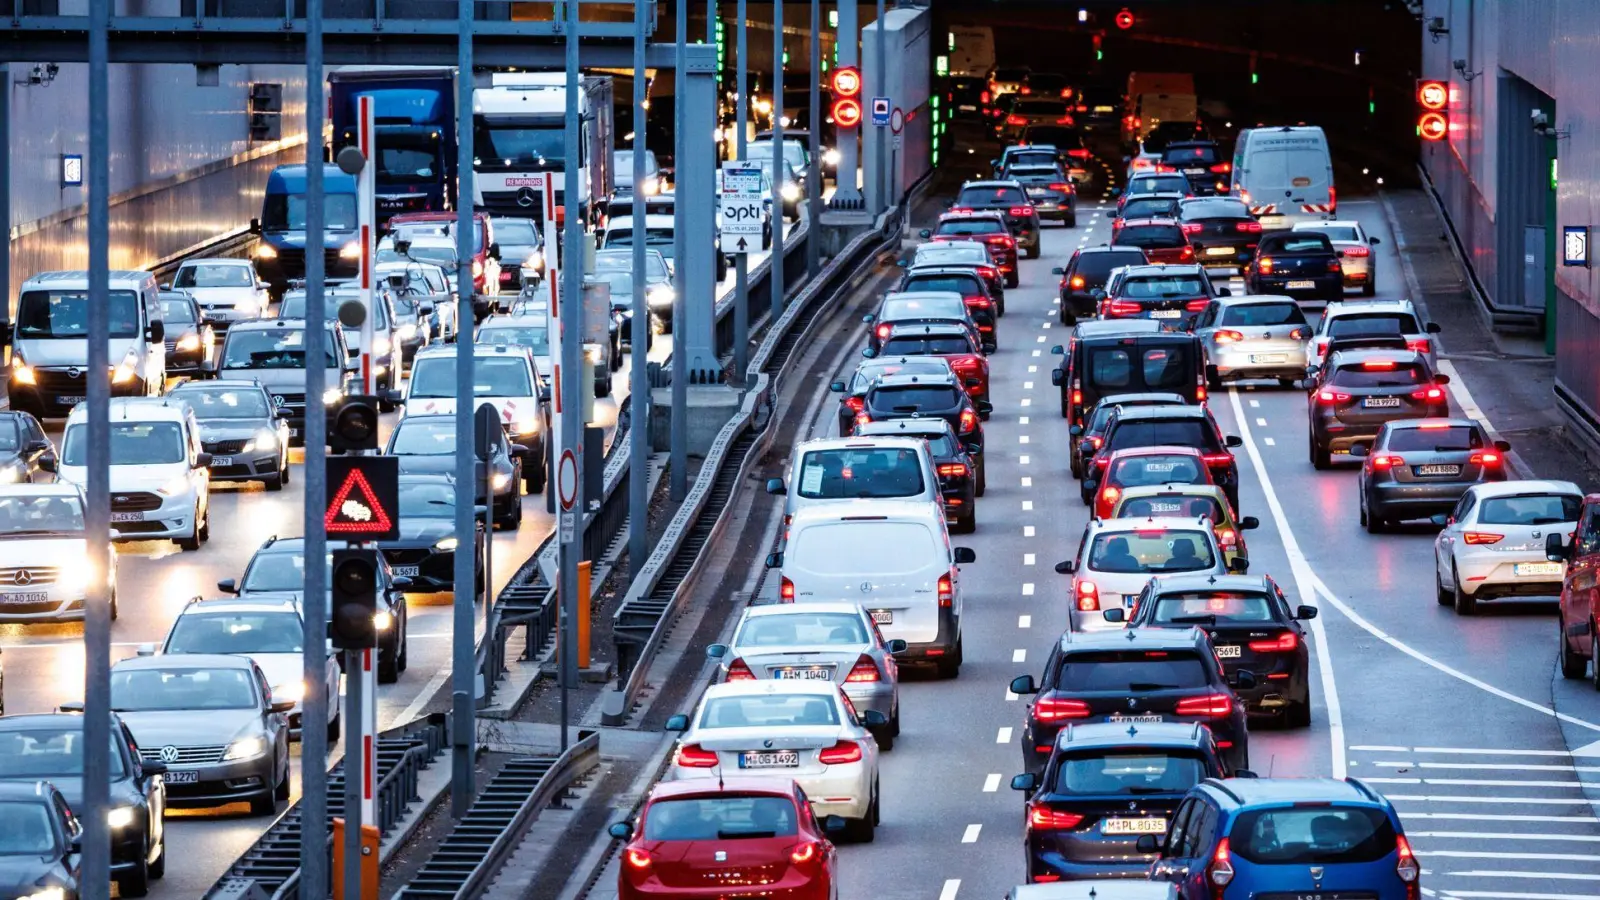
1277 839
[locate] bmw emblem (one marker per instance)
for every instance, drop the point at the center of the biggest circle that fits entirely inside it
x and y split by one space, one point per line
1133 703
767 743
169 754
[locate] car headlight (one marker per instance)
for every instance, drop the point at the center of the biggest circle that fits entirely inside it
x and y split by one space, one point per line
790 192
382 620
525 426
245 748
535 260
659 295
178 486
189 342
49 893
591 353
406 332
449 543
246 308
22 373
120 817
126 369
351 250
380 345
72 579
331 396
266 251
831 157
650 186
500 480
293 690
265 439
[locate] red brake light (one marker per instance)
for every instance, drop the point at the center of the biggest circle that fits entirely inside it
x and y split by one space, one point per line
1329 395
694 756
947 591
1212 705
976 300
1063 188
786 592
636 858
1485 458
1384 364
1080 153
1188 252
1064 120
1284 643
1322 348
1191 227
863 419
1227 336
883 332
983 97
1109 495
1482 537
1249 227
1088 596
1300 334
952 470
1196 305
1077 397
1265 265
804 853
1222 168
1049 708
1333 200
988 272
1124 308
1387 461
1405 864
1217 459
1025 90
1434 394
738 671
1221 868
855 404
1043 818
864 670
1021 211
1420 345
969 421
1016 120
1076 283
839 753
1226 537
1333 265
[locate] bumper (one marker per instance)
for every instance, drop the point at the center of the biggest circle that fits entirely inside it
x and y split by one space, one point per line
185 363
252 466
1262 362
1356 274
1236 255
174 519
55 606
790 887
942 645
1082 305
1056 867
1329 285
1415 501
56 402
222 783
1494 575
1339 437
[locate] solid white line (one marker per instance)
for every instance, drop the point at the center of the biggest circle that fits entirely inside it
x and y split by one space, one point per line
1027 559
970 836
1027 591
1457 798
1019 655
1393 764
1505 895
1484 782
1465 751
1304 579
1502 836
1509 873
1380 749
1024 621
1547 857
1493 817
948 892
428 690
991 782
1004 737
1027 531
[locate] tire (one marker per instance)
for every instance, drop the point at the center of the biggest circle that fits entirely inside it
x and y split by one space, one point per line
966 524
265 805
137 882
1572 665
389 668
1465 603
864 829
113 604
274 482
1374 522
158 869
1444 597
1013 280
533 477
1594 656
982 481
205 526
1298 715
1288 382
1071 220
894 722
885 738
193 541
602 389
1034 252
1321 459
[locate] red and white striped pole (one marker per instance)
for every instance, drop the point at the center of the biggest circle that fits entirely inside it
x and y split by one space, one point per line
367 206
368 731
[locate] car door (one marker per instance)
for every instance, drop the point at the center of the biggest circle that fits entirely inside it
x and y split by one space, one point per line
277 724
155 790
1445 544
1172 864
1582 576
198 474
32 434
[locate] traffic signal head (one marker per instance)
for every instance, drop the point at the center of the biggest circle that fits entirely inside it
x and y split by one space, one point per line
353 423
1433 126
1124 19
353 610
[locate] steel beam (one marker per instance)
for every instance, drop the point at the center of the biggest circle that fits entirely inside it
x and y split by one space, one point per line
846 195
697 198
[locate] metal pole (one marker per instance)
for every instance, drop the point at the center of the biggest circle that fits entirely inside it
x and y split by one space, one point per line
678 480
573 384
775 271
814 171
847 39
463 656
639 384
879 159
741 261
97 609
355 687
5 192
315 865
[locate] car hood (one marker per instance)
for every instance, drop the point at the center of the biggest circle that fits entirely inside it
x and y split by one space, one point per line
71 787
130 478
36 550
231 429
280 668
296 240
230 295
159 728
428 529
418 464
509 408
69 351
18 872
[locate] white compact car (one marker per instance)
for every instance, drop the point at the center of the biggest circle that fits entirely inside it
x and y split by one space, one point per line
44 569
1493 543
1385 317
1119 556
1354 247
504 376
160 488
807 731
228 290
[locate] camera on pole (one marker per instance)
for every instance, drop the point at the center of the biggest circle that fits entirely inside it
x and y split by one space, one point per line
354 611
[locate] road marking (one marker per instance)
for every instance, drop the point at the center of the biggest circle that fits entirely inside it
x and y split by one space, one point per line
1498 766
411 712
1027 506
1255 403
1484 782
1269 442
1027 531
970 836
1027 591
1497 873
1504 895
1010 697
1019 655
1022 420
1022 460
1027 559
948 892
991 782
1465 751
1032 369
1041 339
1261 422
1024 621
1022 439
1505 817
1047 324
1027 385
1500 836
1004 736
1026 402
1037 352
1457 798
1027 481
1549 857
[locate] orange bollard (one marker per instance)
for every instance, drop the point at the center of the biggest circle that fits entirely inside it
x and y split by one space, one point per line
371 839
584 569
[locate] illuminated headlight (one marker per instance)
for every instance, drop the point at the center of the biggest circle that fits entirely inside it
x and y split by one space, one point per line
10 475
126 370
177 487
382 620
831 157
49 893
120 817
591 353
293 690
449 543
790 192
189 342
266 251
500 481
351 250
406 332
659 295
246 308
650 186
22 374
525 426
265 439
381 345
331 396
245 748
72 579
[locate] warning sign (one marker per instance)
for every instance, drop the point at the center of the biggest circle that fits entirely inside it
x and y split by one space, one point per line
363 499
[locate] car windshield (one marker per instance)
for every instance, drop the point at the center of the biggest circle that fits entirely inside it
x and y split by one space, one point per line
236 632
913 398
654 237
287 212
434 436
620 285
1364 375
27 830
936 344
723 817
1299 243
901 308
504 144
153 689
860 472
132 444
1094 267
206 275
65 314
623 160
277 348
961 284
45 753
1164 468
1128 772
1285 312
1317 834
178 312
224 403
1001 195
1189 156
1147 287
655 267
41 515
794 152
1154 550
1185 432
1171 506
534 336
1152 236
971 226
1373 323
1435 439
1121 671
800 629
293 306
280 571
492 376
1530 509
1150 207
1158 184
1222 607
769 711
518 232
1031 158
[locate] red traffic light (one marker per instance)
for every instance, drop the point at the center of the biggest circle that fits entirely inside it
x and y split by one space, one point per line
1124 19
847 112
1433 94
1433 126
846 81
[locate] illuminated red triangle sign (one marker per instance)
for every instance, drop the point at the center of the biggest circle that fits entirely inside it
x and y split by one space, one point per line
355 509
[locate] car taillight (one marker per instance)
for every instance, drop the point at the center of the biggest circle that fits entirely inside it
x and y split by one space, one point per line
1020 211
1248 227
1485 458
1025 90
1097 442
1016 120
840 753
1300 334
1109 495
961 209
969 421
952 470
1197 305
1329 395
1222 168
883 332
978 300
1163 168
1385 461
1080 153
1434 394
636 858
1212 705
1192 227
1227 336
1077 397
983 97
1088 596
862 418
1220 870
804 853
1226 537
786 592
864 670
947 591
1357 252
1043 818
1076 283
1063 188
1283 643
1187 253
1266 265
1322 348
1482 537
739 671
1124 308
1333 265
694 756
855 404
1405 864
1333 200
1420 345
1053 709
988 272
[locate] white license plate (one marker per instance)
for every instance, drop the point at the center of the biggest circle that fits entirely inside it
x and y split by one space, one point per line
1300 285
1160 466
294 432
127 517
68 400
1037 192
1194 171
407 571
812 673
774 759
966 107
175 776
221 461
1103 109
1119 719
1263 358
1228 651
1166 313
1219 251
883 616
1544 568
1438 470
1165 507
29 597
1133 826
1381 402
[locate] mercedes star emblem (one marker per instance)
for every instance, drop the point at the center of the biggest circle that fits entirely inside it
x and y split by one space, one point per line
866 587
169 754
526 197
22 576
1133 703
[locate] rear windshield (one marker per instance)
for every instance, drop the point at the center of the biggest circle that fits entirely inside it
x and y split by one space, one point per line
897 308
1156 550
1163 468
1359 375
990 196
860 472
857 547
800 628
1041 108
953 253
1099 265
1125 670
723 817
1185 432
1151 236
1336 232
1530 509
1173 507
868 372
914 398
1215 209
1179 156
1313 835
961 284
1301 242
972 226
1034 158
1129 772
1258 314
1201 607
1156 184
1150 207
769 711
1159 287
1437 440
1159 368
1036 174
942 447
913 346
1374 323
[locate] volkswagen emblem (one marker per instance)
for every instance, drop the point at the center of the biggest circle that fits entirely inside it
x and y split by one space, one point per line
277 401
866 587
722 856
526 197
22 576
74 372
1316 873
169 754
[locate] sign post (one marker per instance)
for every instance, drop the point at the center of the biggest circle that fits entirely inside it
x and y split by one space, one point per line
742 211
366 215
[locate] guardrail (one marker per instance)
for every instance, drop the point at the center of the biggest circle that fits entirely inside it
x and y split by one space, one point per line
478 845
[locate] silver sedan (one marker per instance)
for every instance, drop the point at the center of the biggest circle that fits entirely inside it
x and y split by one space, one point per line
1256 336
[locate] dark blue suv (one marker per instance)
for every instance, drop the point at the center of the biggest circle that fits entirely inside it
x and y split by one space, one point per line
1286 839
1104 787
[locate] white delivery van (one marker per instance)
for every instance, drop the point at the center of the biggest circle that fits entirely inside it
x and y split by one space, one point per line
50 341
891 556
1284 175
831 471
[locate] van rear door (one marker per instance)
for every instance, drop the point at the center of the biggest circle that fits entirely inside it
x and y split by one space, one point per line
890 567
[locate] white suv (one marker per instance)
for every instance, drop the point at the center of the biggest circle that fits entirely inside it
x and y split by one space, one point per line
159 484
1119 556
43 576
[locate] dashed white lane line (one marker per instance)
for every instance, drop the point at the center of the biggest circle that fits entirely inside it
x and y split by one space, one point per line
1022 460
1027 591
1032 369
1023 420
1004 736
1047 324
951 886
1027 506
1022 439
1028 559
1027 531
1025 620
1027 385
970 836
1010 697
1026 402
1019 655
1255 403
1261 422
1027 481
1269 442
991 782
1039 352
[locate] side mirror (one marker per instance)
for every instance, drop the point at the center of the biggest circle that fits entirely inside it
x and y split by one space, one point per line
1023 684
965 555
985 407
47 464
895 645
401 582
1360 450
228 586
1066 567
255 226
1147 843
973 449
1098 294
837 387
1224 292
925 234
1239 565
154 767
678 722
202 460
1057 350
774 560
1075 431
1114 614
1441 379
1503 446
1244 680
1555 549
869 318
166 286
775 486
1233 440
1374 241
1249 523
874 719
157 330
994 162
1058 271
1056 377
282 706
869 353
622 831
1432 328
717 651
263 286
146 649
1305 612
1027 781
37 445
901 264
1440 519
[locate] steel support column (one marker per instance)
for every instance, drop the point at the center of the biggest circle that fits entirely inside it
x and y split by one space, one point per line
463 655
814 171
775 270
573 384
678 474
5 193
697 199
847 37
638 380
741 261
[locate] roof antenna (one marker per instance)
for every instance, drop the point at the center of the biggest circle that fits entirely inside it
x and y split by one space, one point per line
1271 761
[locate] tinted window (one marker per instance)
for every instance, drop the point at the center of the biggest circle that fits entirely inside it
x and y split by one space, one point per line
913 398
65 314
431 500
1109 368
178 312
534 335
1156 236
1170 367
1228 607
1178 507
132 444
941 447
1180 156
1186 432
802 628
236 632
1374 323
912 346
961 284
1035 158
141 690
1313 835
952 252
1099 265
29 753
1440 440
1215 209
1530 509
1259 314
1156 287
1135 471
972 226
1155 551
1128 772
1301 243
434 436
224 403
28 831
1389 375
725 817
769 711
868 371
1150 207
990 196
1155 184
1037 173
860 472
1120 670
40 514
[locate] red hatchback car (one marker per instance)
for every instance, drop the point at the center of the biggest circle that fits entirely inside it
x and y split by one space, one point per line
1162 240
746 837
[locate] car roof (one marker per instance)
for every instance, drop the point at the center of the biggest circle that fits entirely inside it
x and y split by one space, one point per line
185 661
1148 523
1312 226
860 442
942 268
1145 734
1161 412
787 609
1102 328
1358 356
1155 450
481 349
905 379
765 686
1134 638
1115 248
922 295
142 408
238 384
987 214
1368 306
252 603
1188 581
1161 269
1148 220
1176 489
861 508
1143 398
1253 299
921 426
991 183
1263 791
1524 486
728 784
1160 195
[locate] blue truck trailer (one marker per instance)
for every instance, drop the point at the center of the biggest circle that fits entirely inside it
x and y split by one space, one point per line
415 112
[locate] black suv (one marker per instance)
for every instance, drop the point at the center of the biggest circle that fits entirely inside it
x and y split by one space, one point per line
1134 677
1357 391
1199 161
1252 627
1126 356
1010 200
855 389
927 396
953 462
1092 434
964 280
1105 785
1163 426
1220 229
922 307
1086 273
